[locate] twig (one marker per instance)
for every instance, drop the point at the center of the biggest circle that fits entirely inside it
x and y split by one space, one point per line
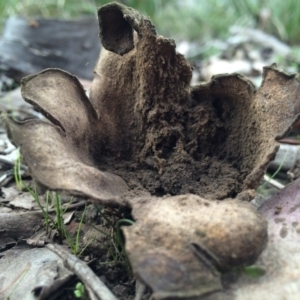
70 207
92 294
273 182
140 290
86 275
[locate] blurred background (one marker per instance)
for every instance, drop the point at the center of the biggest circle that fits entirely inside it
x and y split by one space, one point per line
217 36
189 19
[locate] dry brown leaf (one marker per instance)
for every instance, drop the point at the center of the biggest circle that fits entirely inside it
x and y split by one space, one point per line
281 258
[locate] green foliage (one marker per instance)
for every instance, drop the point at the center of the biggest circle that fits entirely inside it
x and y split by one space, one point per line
195 20
118 240
283 16
52 199
17 172
254 271
117 252
48 8
74 243
71 8
59 221
79 291
48 219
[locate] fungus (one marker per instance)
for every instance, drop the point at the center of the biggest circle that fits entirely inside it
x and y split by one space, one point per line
146 139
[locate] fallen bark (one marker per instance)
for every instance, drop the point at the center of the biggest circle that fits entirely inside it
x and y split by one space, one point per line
31 45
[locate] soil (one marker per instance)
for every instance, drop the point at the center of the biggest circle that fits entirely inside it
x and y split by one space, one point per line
179 178
112 268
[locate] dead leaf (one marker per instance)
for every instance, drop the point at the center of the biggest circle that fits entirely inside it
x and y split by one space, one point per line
9 193
281 258
31 273
24 200
67 216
